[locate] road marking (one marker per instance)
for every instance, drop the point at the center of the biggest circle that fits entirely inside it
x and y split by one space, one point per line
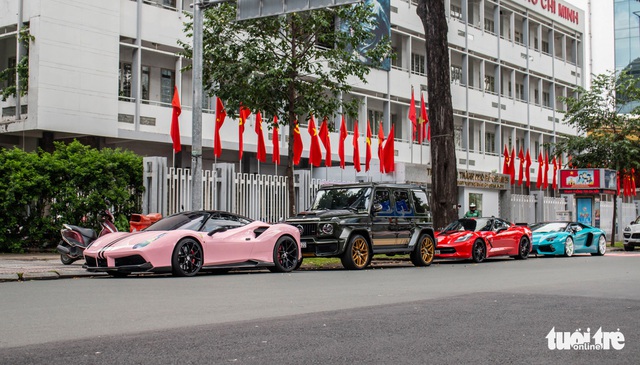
623 254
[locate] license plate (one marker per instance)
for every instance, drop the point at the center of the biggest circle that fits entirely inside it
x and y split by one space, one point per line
303 244
437 252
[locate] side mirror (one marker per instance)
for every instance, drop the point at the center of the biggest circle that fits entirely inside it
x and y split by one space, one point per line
574 230
632 223
216 230
377 207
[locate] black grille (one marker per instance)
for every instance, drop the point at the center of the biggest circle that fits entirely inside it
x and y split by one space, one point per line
91 261
627 235
446 250
635 236
546 248
130 260
308 229
102 262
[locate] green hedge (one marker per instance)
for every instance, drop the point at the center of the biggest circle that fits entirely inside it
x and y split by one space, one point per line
40 191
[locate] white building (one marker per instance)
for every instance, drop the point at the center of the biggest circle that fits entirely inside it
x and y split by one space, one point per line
510 62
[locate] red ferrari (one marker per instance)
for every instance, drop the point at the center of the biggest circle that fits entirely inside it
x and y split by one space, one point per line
479 238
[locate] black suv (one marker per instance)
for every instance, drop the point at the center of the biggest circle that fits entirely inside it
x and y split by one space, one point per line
356 221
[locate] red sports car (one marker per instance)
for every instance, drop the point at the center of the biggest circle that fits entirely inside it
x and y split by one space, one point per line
479 238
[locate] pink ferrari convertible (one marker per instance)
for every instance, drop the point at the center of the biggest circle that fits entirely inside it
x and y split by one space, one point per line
187 243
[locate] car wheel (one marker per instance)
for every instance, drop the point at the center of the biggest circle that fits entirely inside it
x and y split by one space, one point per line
628 247
65 259
285 255
424 251
117 274
299 263
568 247
187 258
602 247
357 254
478 251
523 249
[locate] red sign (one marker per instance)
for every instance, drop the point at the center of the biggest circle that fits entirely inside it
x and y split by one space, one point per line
580 179
558 8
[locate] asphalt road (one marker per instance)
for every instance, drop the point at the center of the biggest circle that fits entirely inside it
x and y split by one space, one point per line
500 311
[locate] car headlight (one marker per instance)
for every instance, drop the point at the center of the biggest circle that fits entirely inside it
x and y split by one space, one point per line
327 228
464 238
551 239
145 243
627 229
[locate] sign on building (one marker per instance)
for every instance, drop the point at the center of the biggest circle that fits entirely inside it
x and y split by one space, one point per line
249 9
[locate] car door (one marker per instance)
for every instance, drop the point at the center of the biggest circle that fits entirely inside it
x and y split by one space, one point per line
579 235
233 245
404 214
382 219
505 239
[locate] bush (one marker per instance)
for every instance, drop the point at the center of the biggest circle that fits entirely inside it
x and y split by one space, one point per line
40 191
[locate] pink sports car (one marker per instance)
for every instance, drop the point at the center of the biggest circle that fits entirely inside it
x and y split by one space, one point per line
186 243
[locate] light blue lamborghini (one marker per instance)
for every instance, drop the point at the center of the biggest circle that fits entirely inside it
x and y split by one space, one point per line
567 238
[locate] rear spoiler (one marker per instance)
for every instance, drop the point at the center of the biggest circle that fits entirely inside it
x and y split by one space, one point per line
525 224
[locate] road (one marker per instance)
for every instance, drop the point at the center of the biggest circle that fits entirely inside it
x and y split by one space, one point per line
500 311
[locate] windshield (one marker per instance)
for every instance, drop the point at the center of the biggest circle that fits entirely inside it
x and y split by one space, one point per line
549 227
480 224
342 198
192 221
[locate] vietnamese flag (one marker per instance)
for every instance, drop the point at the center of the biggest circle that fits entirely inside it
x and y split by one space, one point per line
315 154
356 148
343 136
297 143
505 164
326 141
412 117
244 114
554 183
262 150
221 114
545 179
540 168
380 148
175 124
527 168
367 159
275 157
389 152
424 120
521 169
512 166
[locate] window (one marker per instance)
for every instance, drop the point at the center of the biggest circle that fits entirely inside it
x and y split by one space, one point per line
535 43
418 64
420 201
518 37
456 12
490 142
476 198
167 81
545 47
375 117
11 78
145 82
536 97
489 25
456 74
396 61
457 135
546 99
519 91
490 84
124 80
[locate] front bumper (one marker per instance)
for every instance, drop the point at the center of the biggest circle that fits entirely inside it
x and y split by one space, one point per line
329 247
631 239
548 249
126 264
458 251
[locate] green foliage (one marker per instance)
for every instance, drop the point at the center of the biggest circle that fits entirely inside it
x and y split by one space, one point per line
279 64
40 191
22 69
608 126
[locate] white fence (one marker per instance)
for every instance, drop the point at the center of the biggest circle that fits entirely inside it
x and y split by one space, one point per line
523 208
551 206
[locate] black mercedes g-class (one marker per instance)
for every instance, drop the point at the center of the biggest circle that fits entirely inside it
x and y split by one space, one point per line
356 221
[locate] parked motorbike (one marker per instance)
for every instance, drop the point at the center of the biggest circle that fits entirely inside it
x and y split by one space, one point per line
76 239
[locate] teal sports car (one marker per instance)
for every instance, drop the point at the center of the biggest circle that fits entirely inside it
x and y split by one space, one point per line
567 238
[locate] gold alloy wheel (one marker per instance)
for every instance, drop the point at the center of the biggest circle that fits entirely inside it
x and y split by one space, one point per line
360 252
427 250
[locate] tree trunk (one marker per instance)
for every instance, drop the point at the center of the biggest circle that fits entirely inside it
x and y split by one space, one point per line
613 224
292 117
444 192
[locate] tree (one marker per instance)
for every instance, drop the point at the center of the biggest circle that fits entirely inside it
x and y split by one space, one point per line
606 138
444 194
21 68
289 66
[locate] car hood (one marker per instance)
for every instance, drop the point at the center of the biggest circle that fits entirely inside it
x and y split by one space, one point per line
129 240
633 228
450 237
538 237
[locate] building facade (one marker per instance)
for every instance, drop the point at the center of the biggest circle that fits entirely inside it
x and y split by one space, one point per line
104 71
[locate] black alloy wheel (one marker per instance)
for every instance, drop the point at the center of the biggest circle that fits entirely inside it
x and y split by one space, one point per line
285 255
478 251
187 258
523 249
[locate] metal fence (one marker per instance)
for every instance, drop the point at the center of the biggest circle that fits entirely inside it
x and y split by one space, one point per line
523 208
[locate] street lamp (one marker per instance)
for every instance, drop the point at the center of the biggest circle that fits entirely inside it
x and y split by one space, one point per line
196 144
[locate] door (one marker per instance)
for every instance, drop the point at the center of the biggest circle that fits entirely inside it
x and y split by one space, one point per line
383 219
405 214
233 245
